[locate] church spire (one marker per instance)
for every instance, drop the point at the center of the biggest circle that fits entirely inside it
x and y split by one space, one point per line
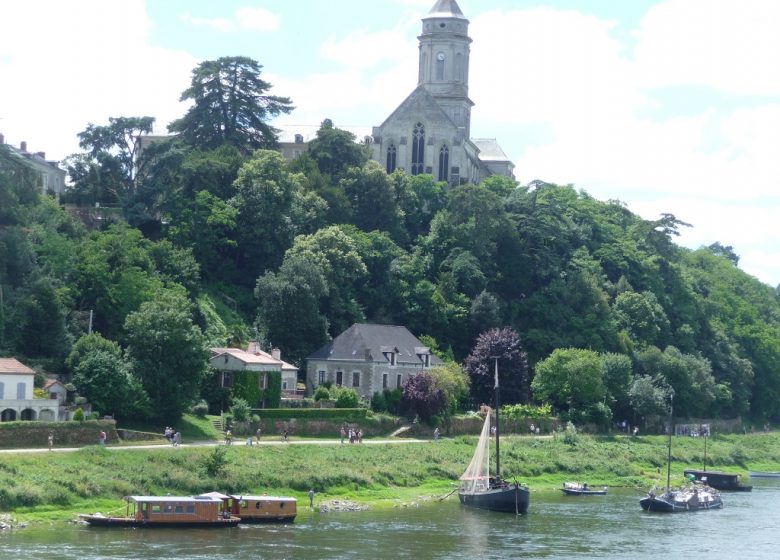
444 61
446 8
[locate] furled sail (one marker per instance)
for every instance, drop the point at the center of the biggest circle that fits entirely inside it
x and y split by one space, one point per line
476 478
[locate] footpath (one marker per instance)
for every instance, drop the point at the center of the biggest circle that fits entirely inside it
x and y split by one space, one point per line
212 443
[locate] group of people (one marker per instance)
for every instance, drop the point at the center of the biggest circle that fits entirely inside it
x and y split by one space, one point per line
173 436
534 430
355 434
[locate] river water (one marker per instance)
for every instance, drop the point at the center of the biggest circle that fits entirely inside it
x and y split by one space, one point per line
557 526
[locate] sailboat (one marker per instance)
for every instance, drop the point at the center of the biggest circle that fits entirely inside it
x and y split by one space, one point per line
481 490
700 497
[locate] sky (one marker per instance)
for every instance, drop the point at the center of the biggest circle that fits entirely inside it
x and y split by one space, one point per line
668 106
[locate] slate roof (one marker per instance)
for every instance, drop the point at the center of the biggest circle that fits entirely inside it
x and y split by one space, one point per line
12 365
353 343
489 150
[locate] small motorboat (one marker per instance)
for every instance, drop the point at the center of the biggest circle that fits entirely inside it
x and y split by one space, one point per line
582 489
764 474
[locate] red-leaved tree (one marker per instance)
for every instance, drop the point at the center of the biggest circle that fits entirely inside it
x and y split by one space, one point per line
421 397
513 376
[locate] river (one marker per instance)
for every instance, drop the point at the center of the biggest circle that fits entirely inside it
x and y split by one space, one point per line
557 526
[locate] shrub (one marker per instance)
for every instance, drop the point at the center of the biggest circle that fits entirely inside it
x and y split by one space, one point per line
378 403
347 398
570 436
78 416
214 462
200 409
321 393
240 410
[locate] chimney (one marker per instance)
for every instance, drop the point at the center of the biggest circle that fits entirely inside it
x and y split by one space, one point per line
277 354
253 347
23 146
299 138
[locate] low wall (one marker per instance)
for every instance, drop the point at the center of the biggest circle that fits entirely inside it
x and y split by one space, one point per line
66 434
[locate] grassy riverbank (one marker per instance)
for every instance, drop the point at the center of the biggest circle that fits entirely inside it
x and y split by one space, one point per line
53 486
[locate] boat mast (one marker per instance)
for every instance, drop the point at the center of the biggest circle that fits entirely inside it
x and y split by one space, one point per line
669 454
705 451
498 429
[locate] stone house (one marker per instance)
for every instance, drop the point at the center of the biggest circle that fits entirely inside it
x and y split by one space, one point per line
229 362
50 174
369 358
16 395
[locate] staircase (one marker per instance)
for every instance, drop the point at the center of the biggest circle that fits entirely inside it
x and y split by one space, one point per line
217 422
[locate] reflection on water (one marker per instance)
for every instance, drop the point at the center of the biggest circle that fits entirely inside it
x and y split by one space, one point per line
557 526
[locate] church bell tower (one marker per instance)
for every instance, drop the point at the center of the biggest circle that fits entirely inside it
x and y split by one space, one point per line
444 61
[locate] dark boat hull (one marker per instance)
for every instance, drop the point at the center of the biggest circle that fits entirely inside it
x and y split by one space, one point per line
130 522
508 499
719 480
763 474
661 505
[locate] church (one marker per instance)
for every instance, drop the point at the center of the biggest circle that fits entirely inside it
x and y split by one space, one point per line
429 132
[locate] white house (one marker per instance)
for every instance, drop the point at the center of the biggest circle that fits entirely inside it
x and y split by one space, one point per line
229 361
16 395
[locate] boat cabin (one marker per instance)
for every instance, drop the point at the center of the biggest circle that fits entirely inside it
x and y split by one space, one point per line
718 479
176 509
259 509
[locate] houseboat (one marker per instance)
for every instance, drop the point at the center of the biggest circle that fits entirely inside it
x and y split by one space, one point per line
718 479
258 509
168 511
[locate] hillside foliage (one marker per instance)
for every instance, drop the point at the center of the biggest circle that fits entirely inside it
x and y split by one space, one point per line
217 244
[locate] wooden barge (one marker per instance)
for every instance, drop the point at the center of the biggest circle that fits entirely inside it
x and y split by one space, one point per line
258 508
168 511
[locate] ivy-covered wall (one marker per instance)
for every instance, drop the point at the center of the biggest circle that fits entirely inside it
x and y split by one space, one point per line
246 385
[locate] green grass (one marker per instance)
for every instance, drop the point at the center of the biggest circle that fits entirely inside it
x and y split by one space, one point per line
48 487
191 427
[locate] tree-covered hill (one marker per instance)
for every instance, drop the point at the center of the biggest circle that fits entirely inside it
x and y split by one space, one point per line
292 253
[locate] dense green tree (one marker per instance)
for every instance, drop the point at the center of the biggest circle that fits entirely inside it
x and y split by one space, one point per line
269 204
289 312
107 169
617 371
689 376
88 344
39 321
571 379
419 198
649 398
338 259
167 353
372 198
335 151
104 379
230 105
453 381
505 346
642 316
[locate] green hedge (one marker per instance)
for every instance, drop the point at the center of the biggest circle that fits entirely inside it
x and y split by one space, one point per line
340 414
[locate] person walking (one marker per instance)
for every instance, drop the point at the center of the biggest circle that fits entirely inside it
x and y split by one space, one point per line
102 438
311 498
51 440
228 437
177 439
343 434
258 433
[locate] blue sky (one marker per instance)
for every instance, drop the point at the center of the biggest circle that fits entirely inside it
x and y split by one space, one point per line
669 106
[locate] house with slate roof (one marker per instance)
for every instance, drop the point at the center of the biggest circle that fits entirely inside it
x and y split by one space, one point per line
369 358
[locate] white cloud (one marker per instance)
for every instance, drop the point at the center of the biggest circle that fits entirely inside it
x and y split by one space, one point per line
62 68
257 18
361 49
728 45
244 18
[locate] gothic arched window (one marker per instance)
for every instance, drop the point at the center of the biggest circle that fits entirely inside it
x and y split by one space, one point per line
418 149
444 163
391 158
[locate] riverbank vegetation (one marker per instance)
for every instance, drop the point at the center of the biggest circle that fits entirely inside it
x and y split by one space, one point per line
54 486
